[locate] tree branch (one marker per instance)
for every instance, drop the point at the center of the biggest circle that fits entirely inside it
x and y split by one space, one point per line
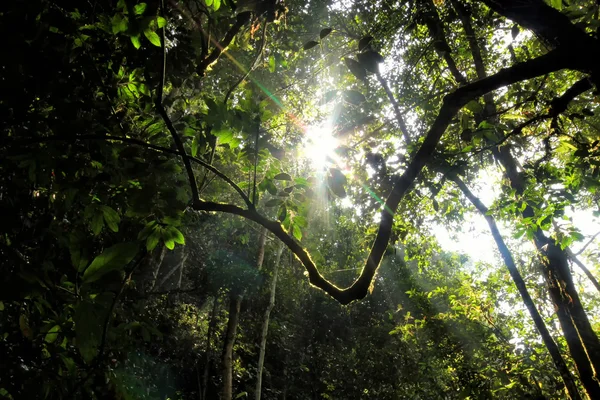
451 105
396 107
241 20
585 270
168 122
436 30
252 67
165 150
559 362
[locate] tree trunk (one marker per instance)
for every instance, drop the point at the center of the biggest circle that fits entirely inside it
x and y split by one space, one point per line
235 303
582 340
159 261
559 362
207 358
265 325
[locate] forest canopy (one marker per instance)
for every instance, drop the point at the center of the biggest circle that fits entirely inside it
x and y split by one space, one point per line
290 199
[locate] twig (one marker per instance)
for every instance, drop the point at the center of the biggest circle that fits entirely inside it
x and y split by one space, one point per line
587 244
252 67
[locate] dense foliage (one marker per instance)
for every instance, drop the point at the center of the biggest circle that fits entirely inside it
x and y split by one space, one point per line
218 199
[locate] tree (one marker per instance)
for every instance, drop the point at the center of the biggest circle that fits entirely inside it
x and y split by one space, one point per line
137 125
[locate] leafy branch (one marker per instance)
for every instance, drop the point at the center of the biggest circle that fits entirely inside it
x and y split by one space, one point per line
453 102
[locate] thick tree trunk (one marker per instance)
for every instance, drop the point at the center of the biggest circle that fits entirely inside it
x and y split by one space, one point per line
212 324
549 342
265 325
235 303
582 340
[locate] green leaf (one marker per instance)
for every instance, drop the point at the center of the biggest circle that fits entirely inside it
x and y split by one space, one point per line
139 8
474 107
89 321
325 32
282 176
336 181
119 24
208 2
356 68
216 5
354 97
195 146
274 203
161 22
272 64
225 136
297 232
176 235
282 213
114 258
310 44
152 240
97 223
143 89
556 4
135 40
364 42
152 37
52 334
370 60
148 229
111 217
327 97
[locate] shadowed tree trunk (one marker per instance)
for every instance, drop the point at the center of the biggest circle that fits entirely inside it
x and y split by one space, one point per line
265 325
549 342
580 336
235 303
536 15
207 355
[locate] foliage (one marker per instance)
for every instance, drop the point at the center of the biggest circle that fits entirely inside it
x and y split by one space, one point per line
139 133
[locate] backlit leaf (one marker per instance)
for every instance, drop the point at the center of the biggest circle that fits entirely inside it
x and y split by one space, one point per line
135 40
364 42
356 68
324 32
139 8
309 45
274 203
282 176
354 97
113 258
152 37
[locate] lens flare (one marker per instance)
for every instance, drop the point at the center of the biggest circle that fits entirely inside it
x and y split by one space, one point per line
319 145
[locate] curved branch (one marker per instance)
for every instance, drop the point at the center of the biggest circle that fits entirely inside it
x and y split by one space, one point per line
451 105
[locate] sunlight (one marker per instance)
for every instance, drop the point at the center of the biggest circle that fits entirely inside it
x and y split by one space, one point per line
319 145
